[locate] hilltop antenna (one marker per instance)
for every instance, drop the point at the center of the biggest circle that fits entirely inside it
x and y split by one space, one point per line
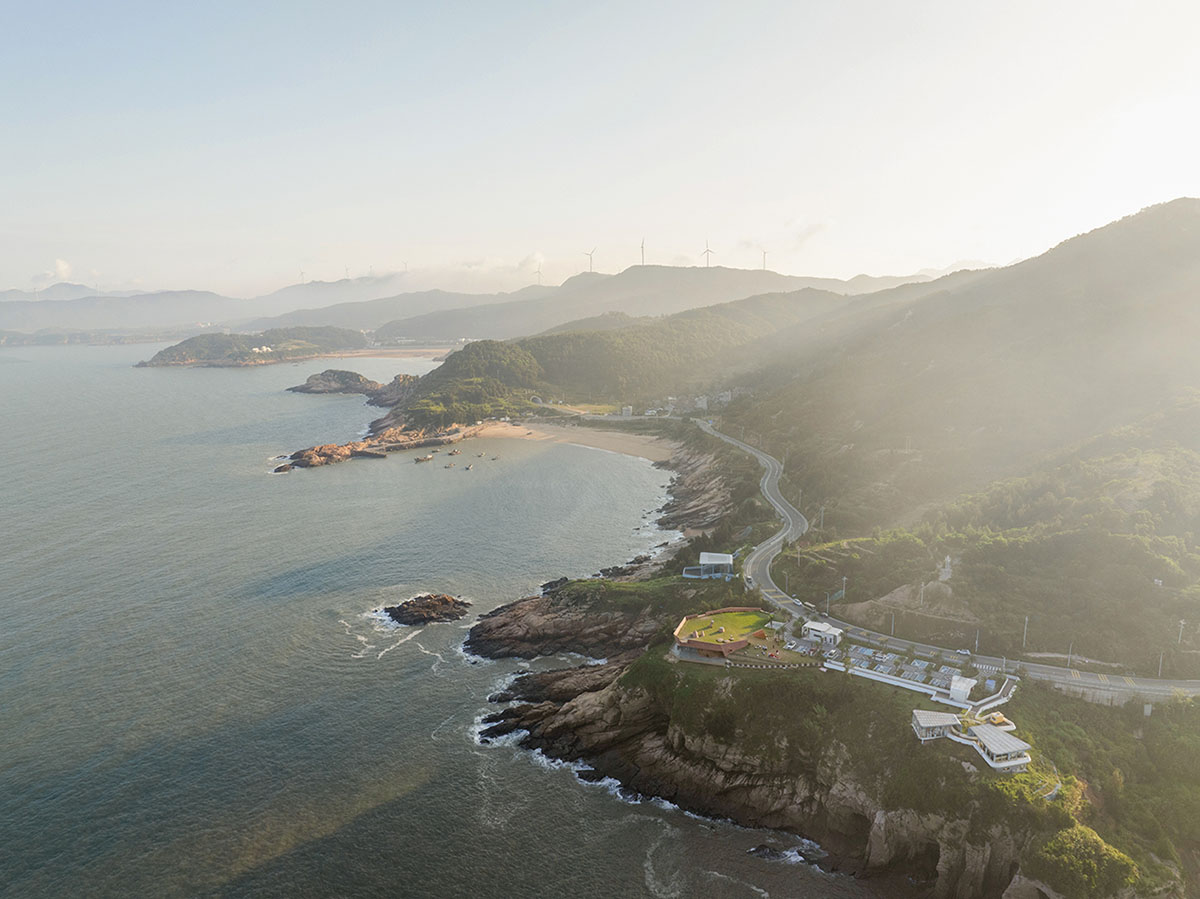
764 260
589 256
643 251
707 252
539 274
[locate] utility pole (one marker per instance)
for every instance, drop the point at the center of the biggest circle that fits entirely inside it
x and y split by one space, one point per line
1026 634
843 588
1070 653
785 584
821 526
976 641
1160 658
1181 624
921 600
893 624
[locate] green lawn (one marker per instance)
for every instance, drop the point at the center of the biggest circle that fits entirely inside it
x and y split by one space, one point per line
737 626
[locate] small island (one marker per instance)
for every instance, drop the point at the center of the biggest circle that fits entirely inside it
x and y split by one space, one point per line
274 345
335 380
428 608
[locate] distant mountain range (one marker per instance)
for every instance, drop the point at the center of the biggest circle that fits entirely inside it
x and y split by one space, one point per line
371 303
640 290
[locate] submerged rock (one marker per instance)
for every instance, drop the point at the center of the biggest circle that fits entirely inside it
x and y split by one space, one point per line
427 608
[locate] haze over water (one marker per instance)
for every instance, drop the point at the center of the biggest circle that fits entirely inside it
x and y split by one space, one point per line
193 701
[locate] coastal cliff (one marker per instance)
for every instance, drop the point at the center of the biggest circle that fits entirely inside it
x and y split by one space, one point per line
626 732
823 755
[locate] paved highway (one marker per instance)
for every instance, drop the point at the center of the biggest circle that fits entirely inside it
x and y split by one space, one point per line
757 569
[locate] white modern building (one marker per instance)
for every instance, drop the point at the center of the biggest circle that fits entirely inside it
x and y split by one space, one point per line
1000 749
932 725
825 633
711 565
961 687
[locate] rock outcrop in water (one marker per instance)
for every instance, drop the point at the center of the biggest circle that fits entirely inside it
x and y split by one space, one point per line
334 380
428 608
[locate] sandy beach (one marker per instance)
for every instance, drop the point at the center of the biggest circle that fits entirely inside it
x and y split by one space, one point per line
656 449
387 352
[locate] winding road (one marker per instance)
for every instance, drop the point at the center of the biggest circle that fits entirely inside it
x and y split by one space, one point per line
757 570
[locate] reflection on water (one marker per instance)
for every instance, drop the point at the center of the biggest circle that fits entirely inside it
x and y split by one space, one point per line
195 698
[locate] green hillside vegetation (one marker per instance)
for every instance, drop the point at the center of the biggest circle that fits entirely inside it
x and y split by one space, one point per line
608 321
1130 798
1080 546
972 378
238 349
640 363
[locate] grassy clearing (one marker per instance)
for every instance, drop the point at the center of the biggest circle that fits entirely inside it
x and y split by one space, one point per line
727 627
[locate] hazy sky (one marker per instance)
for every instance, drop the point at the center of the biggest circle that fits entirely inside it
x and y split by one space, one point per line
230 146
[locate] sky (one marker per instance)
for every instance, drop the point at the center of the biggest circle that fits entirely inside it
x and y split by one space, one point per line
231 147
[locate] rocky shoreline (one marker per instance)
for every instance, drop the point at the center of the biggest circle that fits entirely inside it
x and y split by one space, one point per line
586 715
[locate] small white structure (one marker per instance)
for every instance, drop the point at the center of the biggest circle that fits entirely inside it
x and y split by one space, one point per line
711 565
826 634
627 411
961 687
1000 749
932 725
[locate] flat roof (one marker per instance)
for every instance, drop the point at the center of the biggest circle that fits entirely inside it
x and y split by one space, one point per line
934 719
997 741
716 559
822 626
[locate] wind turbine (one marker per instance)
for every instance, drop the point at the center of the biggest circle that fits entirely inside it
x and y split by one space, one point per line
643 251
707 252
764 260
589 256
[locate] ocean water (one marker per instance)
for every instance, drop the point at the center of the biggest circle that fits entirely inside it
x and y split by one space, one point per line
195 699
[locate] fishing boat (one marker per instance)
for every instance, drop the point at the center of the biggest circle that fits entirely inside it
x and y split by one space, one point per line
495 458
428 458
469 467
451 465
480 455
454 452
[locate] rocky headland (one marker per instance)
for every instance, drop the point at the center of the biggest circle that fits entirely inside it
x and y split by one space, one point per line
622 719
427 609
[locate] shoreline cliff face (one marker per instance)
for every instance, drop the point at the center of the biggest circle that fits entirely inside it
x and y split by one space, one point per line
592 715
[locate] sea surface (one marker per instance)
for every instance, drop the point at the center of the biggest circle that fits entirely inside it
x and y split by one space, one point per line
196 700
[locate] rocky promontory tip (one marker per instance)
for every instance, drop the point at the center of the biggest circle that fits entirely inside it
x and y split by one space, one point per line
428 608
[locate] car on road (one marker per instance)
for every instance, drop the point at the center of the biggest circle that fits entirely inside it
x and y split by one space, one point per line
963 652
